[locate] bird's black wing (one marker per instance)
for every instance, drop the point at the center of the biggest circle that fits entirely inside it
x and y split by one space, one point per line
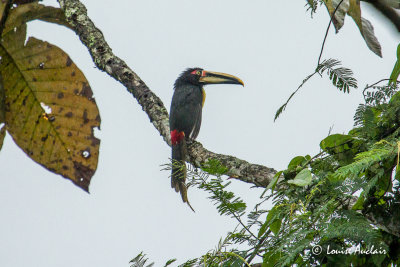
196 127
185 112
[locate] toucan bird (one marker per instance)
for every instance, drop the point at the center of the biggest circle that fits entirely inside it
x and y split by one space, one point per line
185 117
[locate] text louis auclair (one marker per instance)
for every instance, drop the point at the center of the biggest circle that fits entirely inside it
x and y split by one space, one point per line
357 250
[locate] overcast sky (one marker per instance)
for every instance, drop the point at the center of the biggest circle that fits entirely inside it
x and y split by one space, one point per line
270 45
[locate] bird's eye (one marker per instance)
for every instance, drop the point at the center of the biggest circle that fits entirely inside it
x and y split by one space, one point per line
198 72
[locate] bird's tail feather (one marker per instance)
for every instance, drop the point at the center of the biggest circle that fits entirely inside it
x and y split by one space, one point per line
178 175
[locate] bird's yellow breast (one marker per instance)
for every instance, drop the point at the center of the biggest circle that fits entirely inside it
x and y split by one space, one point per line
204 96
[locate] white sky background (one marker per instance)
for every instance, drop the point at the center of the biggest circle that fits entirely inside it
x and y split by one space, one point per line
270 45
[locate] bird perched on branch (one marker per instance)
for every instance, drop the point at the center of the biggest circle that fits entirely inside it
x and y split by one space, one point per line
185 117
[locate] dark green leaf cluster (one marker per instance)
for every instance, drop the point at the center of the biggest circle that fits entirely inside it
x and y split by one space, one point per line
220 256
140 261
376 95
312 6
349 204
227 203
341 77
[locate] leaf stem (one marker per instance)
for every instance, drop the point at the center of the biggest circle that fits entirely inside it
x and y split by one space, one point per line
326 33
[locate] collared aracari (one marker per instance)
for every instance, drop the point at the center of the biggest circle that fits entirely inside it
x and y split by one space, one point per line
185 117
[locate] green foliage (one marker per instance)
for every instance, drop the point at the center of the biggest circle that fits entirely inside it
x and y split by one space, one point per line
396 69
220 256
140 261
361 163
272 184
340 77
169 262
376 95
312 6
303 178
227 203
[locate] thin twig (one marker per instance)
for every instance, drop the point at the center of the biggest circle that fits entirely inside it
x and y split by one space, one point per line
258 246
326 33
372 85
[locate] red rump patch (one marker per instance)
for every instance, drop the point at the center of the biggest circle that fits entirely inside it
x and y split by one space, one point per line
176 137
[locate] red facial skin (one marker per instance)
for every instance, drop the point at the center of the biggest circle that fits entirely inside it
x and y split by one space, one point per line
176 137
203 73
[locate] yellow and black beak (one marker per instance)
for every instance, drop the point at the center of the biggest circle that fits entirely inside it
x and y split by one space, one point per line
211 77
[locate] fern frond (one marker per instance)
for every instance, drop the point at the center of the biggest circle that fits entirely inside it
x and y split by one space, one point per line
140 261
376 95
341 77
365 119
190 263
350 225
312 6
363 161
169 262
359 115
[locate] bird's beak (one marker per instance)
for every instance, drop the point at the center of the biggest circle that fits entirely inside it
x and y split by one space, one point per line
211 77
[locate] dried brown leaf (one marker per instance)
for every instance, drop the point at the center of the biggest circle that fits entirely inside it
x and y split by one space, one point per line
50 111
338 19
370 38
353 9
33 11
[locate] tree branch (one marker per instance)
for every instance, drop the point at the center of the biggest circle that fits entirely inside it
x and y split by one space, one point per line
105 60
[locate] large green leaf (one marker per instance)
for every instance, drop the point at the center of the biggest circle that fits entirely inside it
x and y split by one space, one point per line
396 69
50 111
303 178
273 214
276 226
336 142
274 181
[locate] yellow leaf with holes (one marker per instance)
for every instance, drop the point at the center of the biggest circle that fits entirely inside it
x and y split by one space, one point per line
50 111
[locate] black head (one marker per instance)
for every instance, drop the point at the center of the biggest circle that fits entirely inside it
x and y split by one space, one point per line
190 75
200 77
